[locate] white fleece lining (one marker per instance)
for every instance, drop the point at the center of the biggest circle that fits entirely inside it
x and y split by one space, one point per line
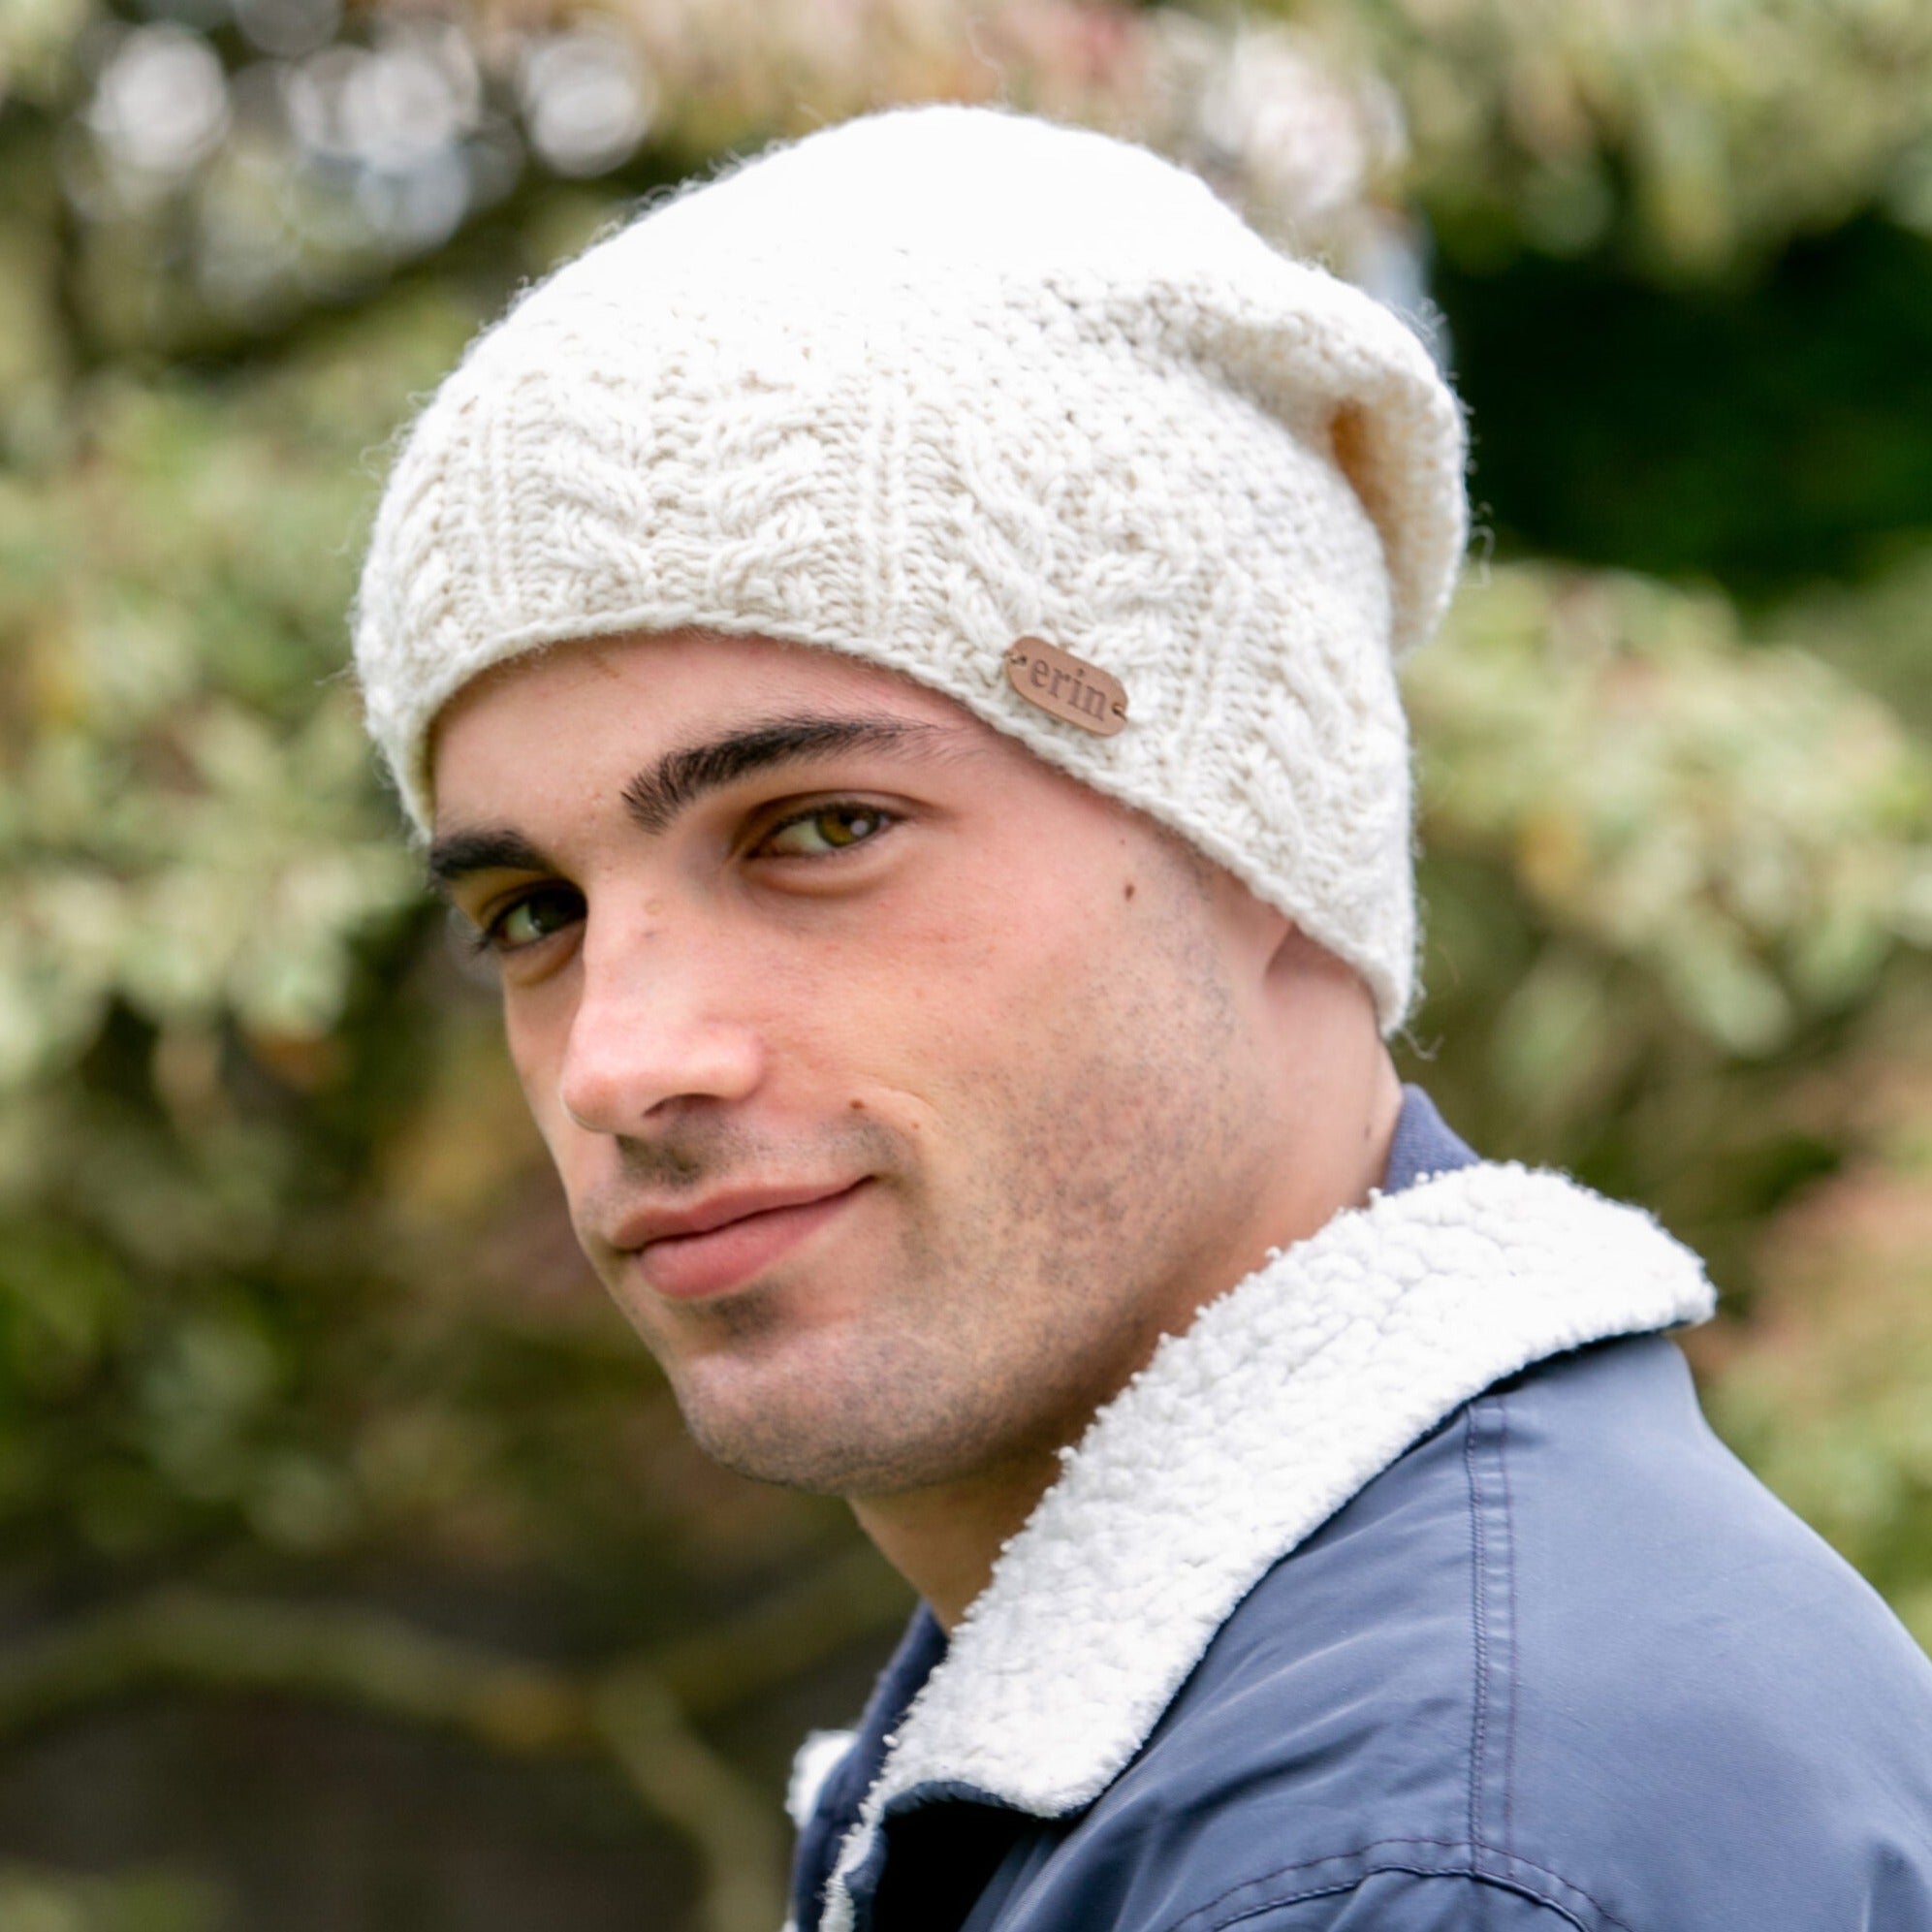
1238 1441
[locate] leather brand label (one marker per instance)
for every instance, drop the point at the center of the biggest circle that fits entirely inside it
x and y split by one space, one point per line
1066 687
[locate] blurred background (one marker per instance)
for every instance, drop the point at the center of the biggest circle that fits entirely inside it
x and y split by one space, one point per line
353 1572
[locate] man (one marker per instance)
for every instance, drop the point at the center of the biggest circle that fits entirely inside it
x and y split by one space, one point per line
895 651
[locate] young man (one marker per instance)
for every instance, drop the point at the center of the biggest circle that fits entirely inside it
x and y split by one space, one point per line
895 654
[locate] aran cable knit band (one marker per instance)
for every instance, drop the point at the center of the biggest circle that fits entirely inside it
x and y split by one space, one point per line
936 381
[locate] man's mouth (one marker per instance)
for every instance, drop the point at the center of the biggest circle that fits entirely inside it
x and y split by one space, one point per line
720 1244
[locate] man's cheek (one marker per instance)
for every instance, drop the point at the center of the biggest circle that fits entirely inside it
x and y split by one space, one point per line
536 1058
572 1149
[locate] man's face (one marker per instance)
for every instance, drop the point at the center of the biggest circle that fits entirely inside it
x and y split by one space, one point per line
903 1088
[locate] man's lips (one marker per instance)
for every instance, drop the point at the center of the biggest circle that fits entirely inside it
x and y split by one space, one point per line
722 1242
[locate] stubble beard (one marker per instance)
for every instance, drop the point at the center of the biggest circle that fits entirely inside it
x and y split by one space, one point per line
961 1354
998 1318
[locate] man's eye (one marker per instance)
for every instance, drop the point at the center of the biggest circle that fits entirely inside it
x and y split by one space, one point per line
826 829
524 921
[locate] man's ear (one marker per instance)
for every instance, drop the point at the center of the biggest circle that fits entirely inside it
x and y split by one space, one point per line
1304 969
1253 932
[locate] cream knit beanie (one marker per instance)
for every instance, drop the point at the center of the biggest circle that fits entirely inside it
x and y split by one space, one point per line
936 381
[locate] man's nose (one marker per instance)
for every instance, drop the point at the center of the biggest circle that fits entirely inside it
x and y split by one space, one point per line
654 1025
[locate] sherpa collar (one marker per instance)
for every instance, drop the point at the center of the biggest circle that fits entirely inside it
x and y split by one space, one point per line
1239 1439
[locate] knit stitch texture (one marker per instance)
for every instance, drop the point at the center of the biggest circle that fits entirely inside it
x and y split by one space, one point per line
934 380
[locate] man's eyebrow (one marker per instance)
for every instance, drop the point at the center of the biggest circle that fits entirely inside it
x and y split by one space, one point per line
457 854
655 796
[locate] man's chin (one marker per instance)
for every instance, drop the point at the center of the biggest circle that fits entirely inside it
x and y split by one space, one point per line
828 1446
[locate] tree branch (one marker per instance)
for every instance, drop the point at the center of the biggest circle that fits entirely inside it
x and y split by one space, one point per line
634 1712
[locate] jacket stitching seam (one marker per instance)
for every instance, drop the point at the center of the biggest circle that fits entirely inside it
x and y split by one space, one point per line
1472 1873
1480 1716
1515 1629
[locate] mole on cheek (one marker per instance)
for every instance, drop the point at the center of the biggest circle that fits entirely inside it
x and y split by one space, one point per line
1129 893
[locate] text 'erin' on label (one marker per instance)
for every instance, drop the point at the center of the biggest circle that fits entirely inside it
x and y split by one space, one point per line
1066 687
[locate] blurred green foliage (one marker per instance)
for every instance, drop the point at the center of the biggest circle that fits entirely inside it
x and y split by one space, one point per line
50 1902
288 1310
1690 141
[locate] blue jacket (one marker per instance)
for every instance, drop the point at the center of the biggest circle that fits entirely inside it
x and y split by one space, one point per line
1562 1661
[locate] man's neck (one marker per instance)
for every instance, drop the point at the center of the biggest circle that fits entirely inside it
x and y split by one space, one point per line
945 1540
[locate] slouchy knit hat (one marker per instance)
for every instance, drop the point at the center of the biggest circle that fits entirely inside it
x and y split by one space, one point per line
939 382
